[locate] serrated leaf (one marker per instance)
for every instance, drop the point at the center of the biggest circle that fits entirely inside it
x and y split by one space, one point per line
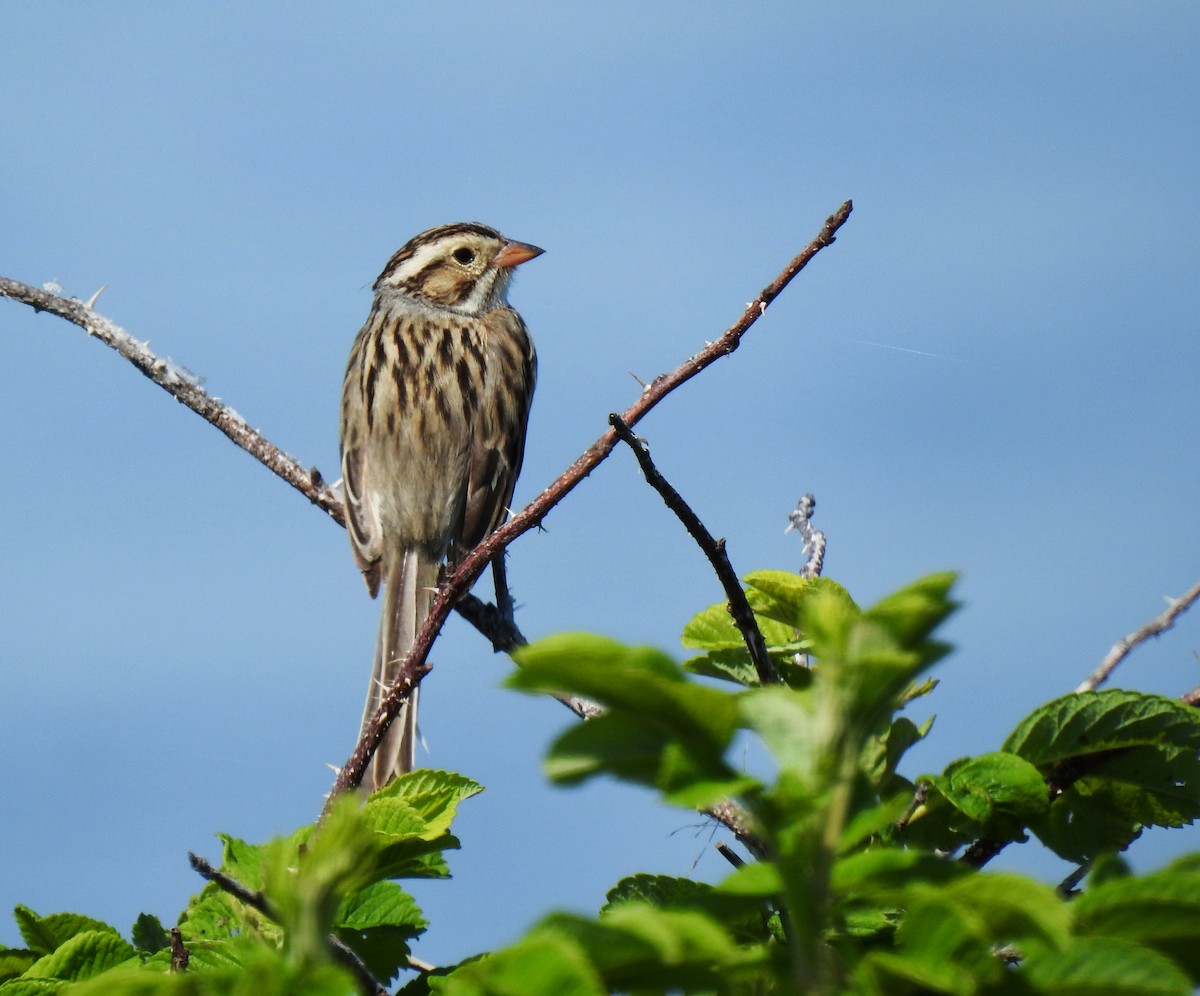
1089 722
383 904
666 891
713 629
1161 911
83 956
780 595
433 795
999 791
378 923
741 915
149 935
44 934
1110 966
13 962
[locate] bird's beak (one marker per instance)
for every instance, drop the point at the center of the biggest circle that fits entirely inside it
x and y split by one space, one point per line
514 254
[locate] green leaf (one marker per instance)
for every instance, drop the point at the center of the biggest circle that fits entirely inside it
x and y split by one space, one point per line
878 820
917 609
13 962
638 681
628 748
83 956
784 719
1127 759
741 915
242 861
539 965
640 948
433 795
999 791
888 972
1110 966
1160 911
964 919
758 879
888 873
44 934
781 596
732 664
148 934
713 629
1089 722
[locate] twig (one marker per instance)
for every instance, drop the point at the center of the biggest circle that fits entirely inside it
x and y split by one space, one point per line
730 855
256 900
714 550
813 539
1067 886
1159 624
180 956
469 568
184 387
918 800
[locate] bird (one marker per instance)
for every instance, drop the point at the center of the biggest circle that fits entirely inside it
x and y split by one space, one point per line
434 410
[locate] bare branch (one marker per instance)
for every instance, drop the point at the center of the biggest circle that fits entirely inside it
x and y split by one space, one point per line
185 388
800 520
1159 624
714 550
256 900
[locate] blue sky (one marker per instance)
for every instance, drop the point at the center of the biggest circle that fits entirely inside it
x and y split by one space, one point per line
993 370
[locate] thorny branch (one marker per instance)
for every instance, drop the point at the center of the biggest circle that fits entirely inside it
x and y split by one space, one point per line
256 900
714 550
188 391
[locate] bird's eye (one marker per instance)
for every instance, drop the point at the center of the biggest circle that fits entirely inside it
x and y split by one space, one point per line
465 256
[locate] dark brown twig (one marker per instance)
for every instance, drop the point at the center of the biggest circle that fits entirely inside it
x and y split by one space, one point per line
256 900
714 550
730 855
180 956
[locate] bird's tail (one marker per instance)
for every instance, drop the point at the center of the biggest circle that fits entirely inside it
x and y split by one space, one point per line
407 596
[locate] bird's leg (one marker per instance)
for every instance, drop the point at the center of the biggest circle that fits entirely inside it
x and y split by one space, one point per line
504 602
